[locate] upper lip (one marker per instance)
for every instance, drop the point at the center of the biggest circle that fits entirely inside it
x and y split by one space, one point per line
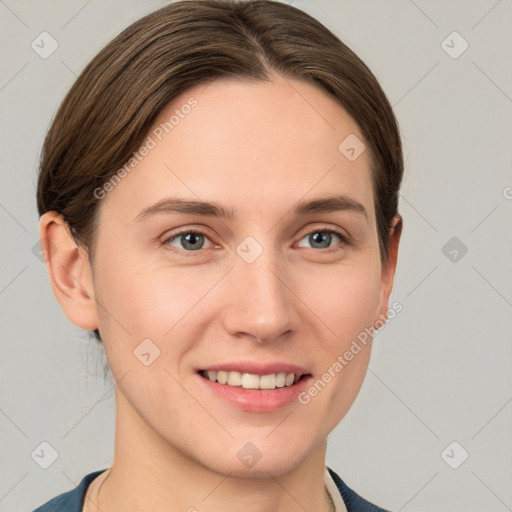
257 368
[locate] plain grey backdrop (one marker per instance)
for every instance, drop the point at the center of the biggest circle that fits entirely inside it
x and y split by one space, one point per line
431 428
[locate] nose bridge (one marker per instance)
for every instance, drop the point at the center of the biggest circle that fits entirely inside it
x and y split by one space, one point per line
260 301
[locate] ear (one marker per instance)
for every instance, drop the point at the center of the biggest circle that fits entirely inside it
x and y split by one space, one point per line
389 267
69 270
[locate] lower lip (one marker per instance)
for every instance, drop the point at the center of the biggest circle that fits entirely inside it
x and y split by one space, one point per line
257 400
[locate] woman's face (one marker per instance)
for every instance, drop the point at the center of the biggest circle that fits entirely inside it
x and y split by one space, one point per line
271 281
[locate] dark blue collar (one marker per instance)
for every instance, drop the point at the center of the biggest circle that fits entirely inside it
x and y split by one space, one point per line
353 501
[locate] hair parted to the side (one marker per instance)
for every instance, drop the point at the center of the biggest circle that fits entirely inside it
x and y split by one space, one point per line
112 105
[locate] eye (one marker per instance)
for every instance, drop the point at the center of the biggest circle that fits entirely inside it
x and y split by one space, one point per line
322 238
190 241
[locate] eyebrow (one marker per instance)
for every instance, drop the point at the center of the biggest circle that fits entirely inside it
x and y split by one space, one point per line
211 209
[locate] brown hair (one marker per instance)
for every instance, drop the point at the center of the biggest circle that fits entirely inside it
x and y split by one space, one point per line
114 102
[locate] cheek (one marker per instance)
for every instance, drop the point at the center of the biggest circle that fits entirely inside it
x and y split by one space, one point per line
345 301
139 301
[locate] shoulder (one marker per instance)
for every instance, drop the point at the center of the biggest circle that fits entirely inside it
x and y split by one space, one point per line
70 501
353 501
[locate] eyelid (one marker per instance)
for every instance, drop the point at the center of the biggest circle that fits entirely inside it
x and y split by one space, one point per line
329 229
186 230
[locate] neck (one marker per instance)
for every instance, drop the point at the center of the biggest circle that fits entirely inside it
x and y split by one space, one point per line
148 473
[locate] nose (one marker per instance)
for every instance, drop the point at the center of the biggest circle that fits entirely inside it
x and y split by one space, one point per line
260 304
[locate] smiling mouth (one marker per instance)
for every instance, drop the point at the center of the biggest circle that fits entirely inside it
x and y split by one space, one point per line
253 381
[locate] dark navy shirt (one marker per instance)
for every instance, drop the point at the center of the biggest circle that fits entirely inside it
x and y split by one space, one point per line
73 501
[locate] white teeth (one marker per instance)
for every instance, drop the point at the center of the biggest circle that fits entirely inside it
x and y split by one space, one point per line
235 379
250 380
268 381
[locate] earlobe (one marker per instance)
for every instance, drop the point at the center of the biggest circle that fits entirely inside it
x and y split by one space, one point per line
69 271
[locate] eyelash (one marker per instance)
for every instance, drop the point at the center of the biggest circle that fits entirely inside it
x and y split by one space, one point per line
344 240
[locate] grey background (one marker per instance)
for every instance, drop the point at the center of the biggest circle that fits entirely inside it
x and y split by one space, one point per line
440 371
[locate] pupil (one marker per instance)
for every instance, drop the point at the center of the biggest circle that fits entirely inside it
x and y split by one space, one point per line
191 240
323 237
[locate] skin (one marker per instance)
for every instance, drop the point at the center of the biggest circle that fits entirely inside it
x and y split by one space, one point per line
257 147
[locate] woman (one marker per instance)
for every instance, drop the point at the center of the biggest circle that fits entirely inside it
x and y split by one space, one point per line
218 196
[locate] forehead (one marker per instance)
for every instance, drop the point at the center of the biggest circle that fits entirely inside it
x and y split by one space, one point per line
237 141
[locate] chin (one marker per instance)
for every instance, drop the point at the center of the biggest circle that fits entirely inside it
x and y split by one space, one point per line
246 460
260 469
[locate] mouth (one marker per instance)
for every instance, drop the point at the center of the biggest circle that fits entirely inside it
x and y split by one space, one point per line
253 381
255 386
